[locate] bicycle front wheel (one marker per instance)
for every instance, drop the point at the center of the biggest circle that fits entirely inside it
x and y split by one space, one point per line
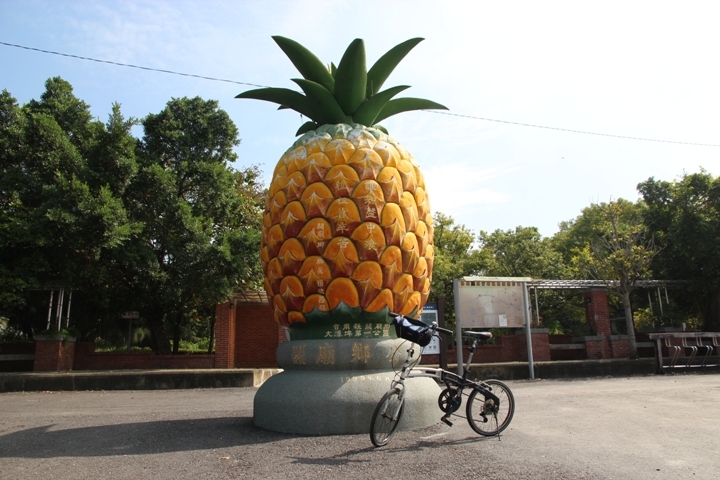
484 416
386 417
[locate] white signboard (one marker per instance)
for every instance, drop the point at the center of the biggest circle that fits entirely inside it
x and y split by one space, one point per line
490 302
430 315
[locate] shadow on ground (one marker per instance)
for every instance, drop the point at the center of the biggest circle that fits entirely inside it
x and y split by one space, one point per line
135 438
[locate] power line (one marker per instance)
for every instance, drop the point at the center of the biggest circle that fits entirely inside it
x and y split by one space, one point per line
130 66
572 131
472 117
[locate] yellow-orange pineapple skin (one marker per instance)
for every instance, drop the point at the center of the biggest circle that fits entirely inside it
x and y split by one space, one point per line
347 232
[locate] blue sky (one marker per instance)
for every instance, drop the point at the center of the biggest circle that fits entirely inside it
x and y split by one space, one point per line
628 68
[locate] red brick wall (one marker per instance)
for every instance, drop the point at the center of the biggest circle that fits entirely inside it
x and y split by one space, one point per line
540 346
620 347
507 348
87 359
225 336
257 337
595 349
245 336
563 354
53 355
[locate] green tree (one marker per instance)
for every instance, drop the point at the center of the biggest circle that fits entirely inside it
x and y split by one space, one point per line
522 252
57 216
165 226
620 253
685 217
455 257
200 217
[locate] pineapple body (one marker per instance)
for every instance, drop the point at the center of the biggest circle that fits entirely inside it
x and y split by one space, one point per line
347 234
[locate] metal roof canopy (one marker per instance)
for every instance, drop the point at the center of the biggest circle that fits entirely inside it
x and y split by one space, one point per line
251 297
569 284
529 283
581 284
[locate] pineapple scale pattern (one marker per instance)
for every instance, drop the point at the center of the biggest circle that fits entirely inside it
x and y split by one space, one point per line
347 230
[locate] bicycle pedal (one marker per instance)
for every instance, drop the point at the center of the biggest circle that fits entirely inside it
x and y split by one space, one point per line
446 422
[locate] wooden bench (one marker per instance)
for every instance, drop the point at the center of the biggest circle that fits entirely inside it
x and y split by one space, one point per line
12 357
567 346
692 341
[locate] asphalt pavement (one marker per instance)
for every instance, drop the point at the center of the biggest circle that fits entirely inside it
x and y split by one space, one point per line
646 427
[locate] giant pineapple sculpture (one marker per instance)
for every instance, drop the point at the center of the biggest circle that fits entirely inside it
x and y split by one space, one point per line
347 229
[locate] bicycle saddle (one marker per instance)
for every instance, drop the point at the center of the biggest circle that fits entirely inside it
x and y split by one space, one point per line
478 335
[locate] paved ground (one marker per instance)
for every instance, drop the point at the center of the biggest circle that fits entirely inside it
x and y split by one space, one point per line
652 427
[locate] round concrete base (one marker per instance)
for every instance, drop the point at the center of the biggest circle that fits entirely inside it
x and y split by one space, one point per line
331 398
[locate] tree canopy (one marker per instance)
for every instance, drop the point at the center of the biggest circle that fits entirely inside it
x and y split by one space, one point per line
684 215
456 255
620 251
130 224
62 177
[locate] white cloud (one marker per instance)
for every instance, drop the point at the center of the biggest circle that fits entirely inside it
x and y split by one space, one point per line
455 186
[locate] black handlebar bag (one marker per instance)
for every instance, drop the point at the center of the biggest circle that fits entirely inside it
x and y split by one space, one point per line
413 330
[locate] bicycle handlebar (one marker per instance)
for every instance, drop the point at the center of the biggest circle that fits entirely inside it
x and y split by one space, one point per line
434 326
444 330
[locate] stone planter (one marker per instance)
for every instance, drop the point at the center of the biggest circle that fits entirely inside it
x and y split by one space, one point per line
332 387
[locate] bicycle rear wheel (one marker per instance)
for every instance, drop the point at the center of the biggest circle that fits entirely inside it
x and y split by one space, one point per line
484 416
386 417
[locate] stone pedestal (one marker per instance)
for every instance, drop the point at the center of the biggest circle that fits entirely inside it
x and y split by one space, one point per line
331 387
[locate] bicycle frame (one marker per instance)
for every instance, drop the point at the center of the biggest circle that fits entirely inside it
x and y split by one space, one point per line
445 376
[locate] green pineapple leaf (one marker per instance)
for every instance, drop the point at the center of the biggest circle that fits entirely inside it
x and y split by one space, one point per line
306 127
382 69
351 77
285 98
399 105
368 111
345 94
309 66
323 99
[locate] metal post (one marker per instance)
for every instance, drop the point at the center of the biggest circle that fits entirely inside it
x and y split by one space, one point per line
58 310
441 323
67 318
52 295
528 320
458 331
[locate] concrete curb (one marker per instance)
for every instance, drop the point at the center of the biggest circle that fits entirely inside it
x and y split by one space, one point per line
133 379
565 369
233 378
